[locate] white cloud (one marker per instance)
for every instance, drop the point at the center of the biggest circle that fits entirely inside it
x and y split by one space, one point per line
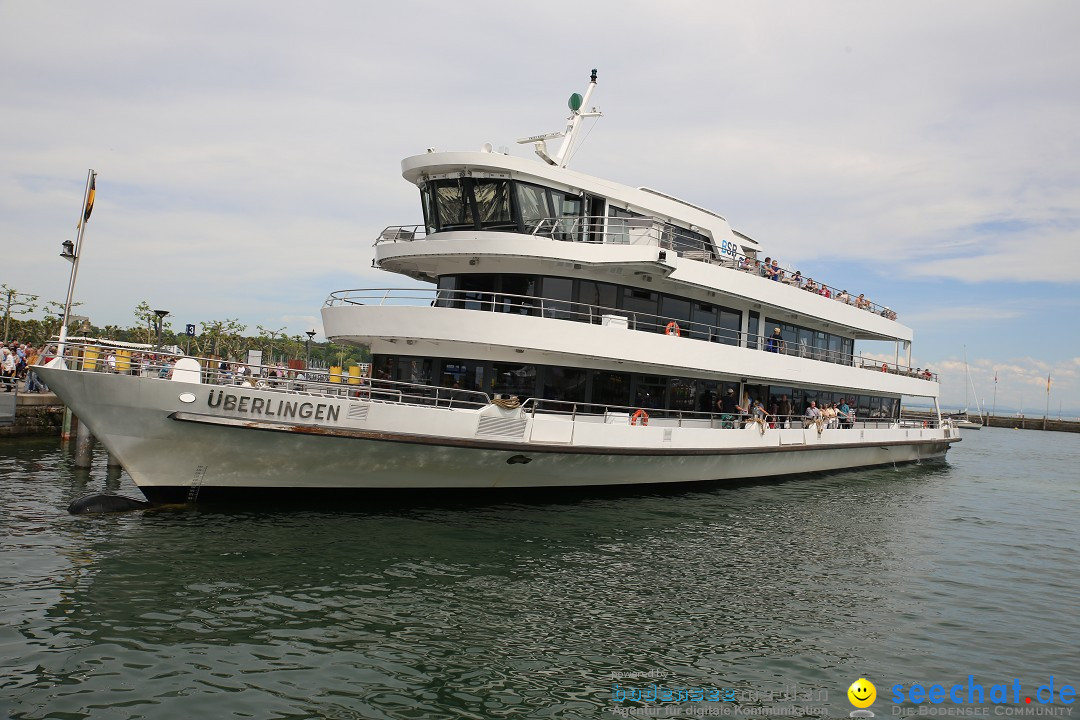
249 152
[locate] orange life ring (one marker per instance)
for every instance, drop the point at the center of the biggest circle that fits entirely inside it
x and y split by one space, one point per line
642 416
884 367
672 329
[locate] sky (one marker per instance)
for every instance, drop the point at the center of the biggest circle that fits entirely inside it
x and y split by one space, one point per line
248 153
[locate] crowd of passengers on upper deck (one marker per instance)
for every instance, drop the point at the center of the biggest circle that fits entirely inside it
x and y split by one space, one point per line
770 268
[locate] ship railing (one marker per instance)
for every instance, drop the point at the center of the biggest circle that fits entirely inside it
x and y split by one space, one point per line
689 244
309 383
650 231
557 309
660 417
401 233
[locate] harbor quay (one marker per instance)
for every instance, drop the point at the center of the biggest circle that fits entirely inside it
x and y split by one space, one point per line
31 414
1029 422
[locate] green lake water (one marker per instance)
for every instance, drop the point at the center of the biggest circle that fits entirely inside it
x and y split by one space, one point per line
779 594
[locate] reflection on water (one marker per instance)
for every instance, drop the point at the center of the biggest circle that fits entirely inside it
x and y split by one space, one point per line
525 607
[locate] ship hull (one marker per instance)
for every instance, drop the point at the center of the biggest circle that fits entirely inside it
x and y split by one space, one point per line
195 442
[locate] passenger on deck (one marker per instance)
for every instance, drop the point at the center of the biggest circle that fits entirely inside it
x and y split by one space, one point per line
775 342
798 280
812 414
844 297
764 268
844 414
862 303
783 411
728 408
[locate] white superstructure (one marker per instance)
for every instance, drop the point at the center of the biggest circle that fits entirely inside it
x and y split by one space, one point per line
576 332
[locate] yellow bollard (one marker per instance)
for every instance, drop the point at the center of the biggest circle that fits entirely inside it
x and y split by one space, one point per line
335 373
354 374
123 361
90 358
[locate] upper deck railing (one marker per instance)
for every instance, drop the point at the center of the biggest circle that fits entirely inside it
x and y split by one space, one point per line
602 315
654 232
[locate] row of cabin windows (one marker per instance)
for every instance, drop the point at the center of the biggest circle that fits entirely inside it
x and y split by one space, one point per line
589 300
599 388
807 343
513 206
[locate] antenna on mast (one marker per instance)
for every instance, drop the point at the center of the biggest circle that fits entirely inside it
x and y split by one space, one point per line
575 104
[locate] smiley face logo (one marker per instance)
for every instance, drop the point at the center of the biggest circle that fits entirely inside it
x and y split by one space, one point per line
862 693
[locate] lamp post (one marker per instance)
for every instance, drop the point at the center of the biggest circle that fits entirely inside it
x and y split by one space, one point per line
310 336
71 252
160 321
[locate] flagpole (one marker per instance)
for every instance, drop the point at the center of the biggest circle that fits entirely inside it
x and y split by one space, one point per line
1047 415
994 413
76 253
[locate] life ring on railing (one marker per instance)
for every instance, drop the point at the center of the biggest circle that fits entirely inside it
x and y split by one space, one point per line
640 415
672 329
884 367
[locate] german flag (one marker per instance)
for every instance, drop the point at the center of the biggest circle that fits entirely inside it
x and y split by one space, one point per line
89 200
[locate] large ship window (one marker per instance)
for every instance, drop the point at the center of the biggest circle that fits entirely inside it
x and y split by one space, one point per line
558 296
604 296
730 326
493 204
682 394
610 388
619 221
513 378
533 204
643 302
517 285
477 292
453 203
565 383
568 209
428 201
678 310
683 240
463 374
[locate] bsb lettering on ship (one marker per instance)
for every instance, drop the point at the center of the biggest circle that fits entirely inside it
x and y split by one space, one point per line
272 407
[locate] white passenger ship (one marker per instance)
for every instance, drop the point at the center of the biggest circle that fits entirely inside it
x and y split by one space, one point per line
577 333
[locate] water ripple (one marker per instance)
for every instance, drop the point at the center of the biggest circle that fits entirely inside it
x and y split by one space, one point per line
527 609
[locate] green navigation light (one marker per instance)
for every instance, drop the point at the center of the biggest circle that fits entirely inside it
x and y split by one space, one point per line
575 102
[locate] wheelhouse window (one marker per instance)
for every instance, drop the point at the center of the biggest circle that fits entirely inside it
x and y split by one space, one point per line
533 204
428 201
453 202
493 204
569 210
